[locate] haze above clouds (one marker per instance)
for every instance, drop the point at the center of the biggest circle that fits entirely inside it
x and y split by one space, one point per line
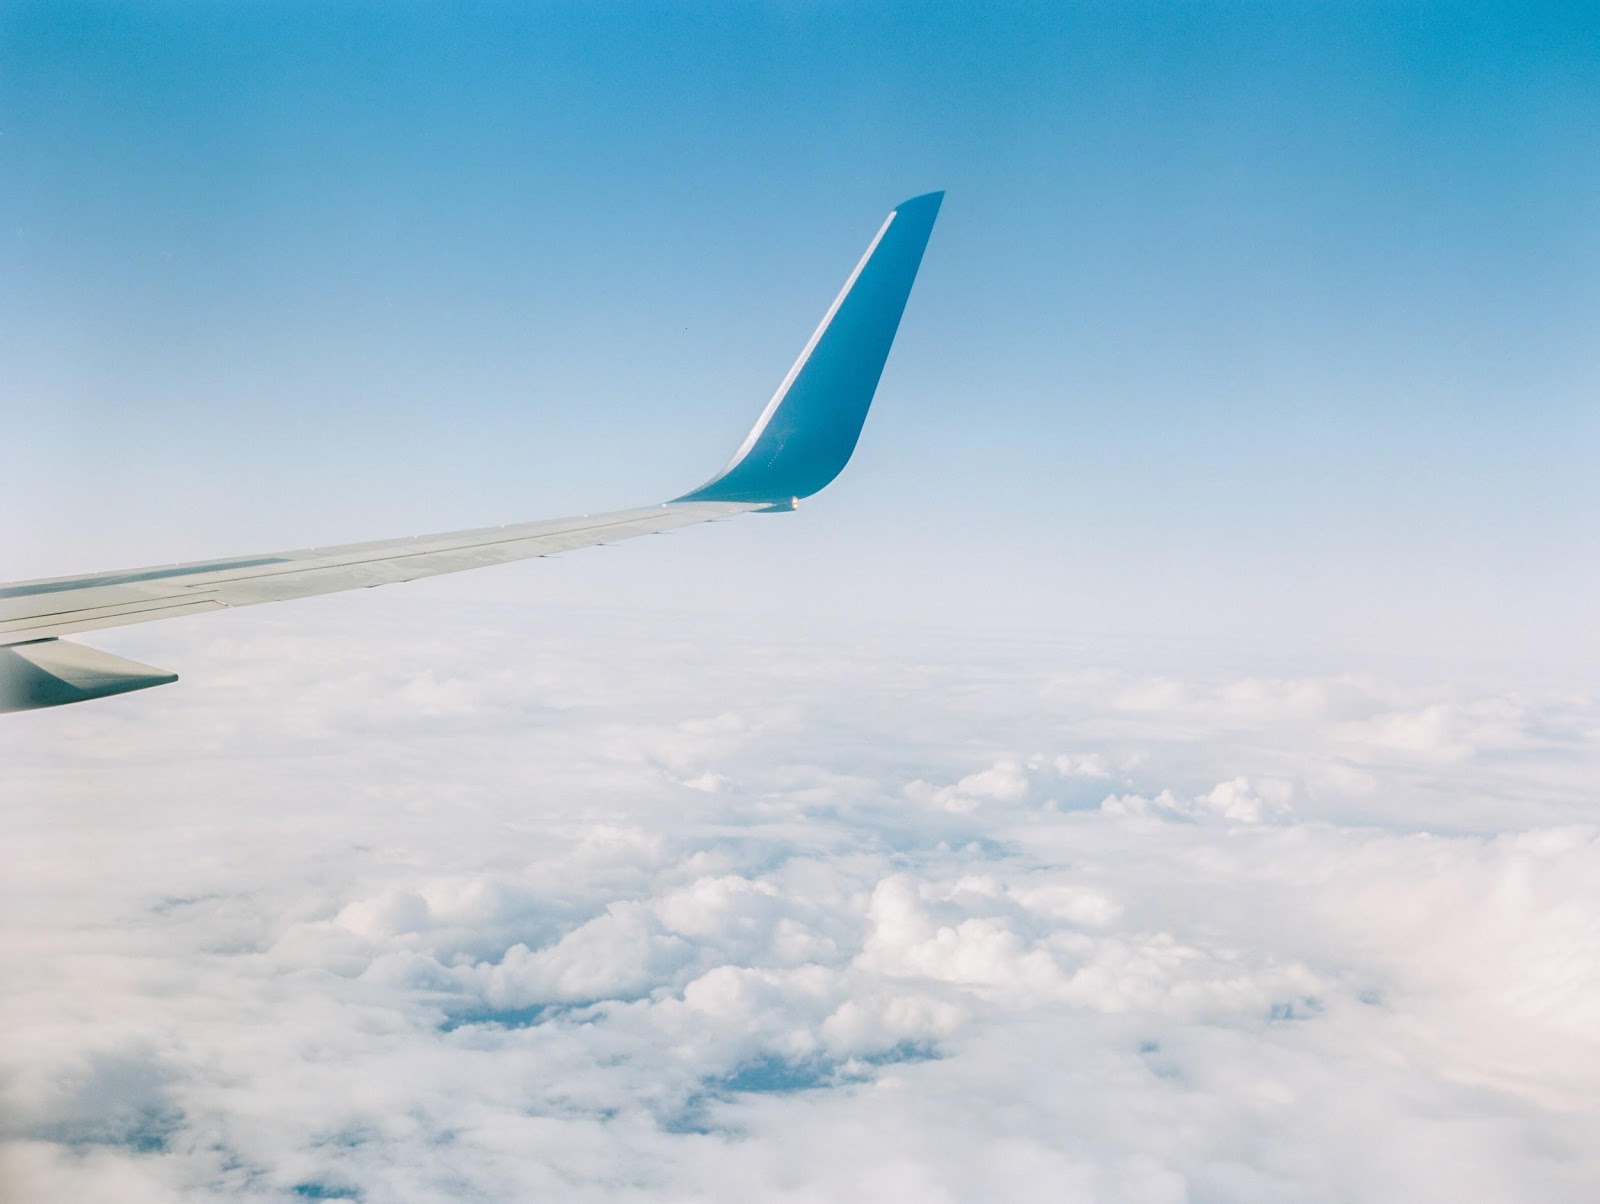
620 907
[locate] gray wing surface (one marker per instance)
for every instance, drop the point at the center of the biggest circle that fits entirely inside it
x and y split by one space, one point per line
34 610
799 444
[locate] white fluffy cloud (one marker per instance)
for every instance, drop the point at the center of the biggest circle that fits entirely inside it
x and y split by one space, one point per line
633 911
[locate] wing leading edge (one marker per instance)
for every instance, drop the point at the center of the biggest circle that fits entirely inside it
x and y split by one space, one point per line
800 443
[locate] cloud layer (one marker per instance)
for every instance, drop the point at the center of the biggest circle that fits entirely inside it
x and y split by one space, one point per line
643 912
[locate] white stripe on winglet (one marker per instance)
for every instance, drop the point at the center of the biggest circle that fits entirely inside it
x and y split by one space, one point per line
816 337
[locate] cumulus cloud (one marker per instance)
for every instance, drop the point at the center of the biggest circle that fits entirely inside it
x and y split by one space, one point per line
625 913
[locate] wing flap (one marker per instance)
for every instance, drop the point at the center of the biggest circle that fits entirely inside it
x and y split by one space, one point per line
95 617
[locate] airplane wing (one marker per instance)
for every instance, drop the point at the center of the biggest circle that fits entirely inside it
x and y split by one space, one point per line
801 441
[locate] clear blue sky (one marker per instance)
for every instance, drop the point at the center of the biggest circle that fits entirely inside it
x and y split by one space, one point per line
1241 320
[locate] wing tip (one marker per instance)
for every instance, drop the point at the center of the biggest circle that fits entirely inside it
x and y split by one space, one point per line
927 200
819 440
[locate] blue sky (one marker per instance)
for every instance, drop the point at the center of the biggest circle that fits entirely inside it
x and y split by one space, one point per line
1242 322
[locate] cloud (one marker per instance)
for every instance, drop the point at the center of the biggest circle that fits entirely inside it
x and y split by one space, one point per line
661 916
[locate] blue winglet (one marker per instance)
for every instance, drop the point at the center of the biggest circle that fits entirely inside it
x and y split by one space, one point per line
809 429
